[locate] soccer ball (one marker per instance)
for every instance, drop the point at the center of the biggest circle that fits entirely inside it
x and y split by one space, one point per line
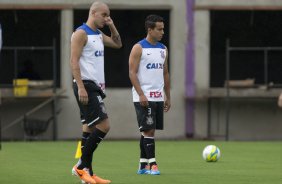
211 153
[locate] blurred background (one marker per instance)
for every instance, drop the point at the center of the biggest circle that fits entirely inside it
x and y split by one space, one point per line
225 63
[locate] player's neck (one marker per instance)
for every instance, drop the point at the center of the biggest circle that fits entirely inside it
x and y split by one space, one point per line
151 40
92 26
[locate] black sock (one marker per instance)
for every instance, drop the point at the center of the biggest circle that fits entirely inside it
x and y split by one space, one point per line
149 145
90 146
84 138
143 156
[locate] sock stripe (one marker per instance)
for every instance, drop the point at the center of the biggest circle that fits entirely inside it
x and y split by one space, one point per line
93 121
149 137
152 160
143 160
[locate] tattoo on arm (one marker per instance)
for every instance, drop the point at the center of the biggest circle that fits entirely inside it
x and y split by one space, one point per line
116 38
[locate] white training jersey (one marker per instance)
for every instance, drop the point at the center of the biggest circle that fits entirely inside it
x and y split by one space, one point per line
91 61
150 71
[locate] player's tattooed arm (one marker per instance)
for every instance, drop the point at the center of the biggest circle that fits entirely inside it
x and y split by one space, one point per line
116 38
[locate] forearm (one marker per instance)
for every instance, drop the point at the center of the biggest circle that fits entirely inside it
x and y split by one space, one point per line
135 82
115 35
77 75
167 86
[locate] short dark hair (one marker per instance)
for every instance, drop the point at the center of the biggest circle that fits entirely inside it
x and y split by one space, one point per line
150 21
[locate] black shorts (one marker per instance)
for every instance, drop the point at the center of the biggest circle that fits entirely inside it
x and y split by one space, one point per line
94 112
150 117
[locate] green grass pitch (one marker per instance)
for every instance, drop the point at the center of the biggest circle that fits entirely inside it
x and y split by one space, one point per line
179 162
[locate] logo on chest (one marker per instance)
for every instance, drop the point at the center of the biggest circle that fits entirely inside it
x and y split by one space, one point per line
162 54
154 66
99 53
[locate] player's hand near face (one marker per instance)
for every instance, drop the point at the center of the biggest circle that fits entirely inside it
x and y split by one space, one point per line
109 21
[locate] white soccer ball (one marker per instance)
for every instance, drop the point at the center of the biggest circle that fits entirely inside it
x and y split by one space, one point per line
211 153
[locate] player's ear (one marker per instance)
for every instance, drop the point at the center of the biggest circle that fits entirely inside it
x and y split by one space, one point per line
93 12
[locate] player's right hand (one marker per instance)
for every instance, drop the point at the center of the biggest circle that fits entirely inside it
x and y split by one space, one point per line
109 21
143 101
83 96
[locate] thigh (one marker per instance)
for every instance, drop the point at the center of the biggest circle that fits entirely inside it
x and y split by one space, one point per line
159 115
94 112
145 116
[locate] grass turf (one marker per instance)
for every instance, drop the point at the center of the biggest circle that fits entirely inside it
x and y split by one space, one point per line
179 162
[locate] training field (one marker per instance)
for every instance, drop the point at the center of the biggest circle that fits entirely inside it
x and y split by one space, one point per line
179 162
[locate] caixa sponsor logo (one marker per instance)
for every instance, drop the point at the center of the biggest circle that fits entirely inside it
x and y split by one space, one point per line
155 94
154 66
99 53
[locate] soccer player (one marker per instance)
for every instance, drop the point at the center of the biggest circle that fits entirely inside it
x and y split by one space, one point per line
148 72
87 65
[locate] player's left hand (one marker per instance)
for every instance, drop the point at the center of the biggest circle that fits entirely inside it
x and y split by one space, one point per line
167 105
109 21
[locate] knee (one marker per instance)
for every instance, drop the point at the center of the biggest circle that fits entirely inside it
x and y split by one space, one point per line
104 126
149 133
107 128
